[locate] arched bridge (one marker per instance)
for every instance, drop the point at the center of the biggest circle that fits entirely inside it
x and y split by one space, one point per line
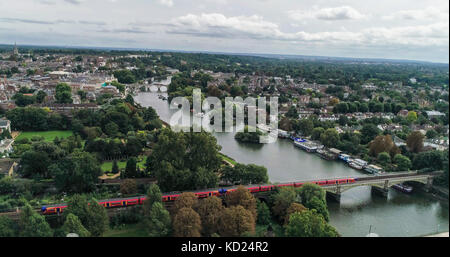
381 183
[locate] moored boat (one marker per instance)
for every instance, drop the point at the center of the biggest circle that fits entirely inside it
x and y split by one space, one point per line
403 188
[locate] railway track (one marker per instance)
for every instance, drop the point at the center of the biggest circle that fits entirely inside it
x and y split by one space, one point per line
16 212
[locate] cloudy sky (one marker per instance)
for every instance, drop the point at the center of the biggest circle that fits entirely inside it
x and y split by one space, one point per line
397 29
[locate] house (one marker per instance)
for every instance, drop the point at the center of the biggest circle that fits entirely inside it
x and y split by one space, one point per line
403 113
5 125
434 114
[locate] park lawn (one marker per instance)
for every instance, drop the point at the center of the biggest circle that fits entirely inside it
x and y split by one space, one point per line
128 230
227 158
48 135
107 166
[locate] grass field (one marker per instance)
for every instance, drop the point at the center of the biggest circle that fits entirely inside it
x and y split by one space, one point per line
133 230
227 158
48 135
107 166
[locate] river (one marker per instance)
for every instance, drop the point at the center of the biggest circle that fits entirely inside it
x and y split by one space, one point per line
399 215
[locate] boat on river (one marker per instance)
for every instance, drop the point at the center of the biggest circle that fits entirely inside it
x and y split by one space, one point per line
403 188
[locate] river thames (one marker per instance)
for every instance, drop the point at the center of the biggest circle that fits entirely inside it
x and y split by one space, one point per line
400 214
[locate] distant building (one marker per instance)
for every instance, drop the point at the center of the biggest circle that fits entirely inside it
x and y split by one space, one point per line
5 125
434 114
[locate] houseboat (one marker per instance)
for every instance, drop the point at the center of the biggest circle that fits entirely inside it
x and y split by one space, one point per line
360 162
403 188
310 147
326 154
344 157
373 169
283 134
355 165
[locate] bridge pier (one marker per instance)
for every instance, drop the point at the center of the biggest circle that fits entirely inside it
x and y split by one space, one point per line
383 192
334 196
429 184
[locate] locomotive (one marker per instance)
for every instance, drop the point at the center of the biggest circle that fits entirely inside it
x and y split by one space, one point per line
169 197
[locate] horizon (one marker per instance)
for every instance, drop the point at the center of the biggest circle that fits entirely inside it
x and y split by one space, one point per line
400 30
255 54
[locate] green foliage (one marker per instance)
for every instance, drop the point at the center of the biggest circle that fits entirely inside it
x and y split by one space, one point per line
314 197
330 137
245 174
73 225
77 172
8 228
263 213
403 163
249 137
281 201
384 158
63 93
158 222
32 224
184 161
308 224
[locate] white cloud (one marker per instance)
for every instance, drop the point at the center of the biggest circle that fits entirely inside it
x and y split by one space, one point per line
335 13
429 13
255 27
168 3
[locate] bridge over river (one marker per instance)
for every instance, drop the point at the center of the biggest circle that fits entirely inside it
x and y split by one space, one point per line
379 183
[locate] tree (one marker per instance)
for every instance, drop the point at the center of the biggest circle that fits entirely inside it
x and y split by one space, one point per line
40 96
415 141
236 221
128 187
306 126
92 215
369 132
77 172
431 134
63 93
158 223
412 116
316 133
281 201
187 223
209 210
98 220
432 160
131 168
115 167
241 196
403 163
330 137
154 195
309 223
295 207
185 161
32 224
383 144
314 197
35 163
74 225
292 113
384 158
185 200
111 129
8 228
263 213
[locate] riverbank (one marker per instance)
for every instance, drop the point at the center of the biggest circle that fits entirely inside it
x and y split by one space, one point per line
399 214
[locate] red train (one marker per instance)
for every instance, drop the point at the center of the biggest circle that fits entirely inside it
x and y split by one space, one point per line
139 200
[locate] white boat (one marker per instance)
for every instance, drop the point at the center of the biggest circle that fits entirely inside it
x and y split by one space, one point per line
355 165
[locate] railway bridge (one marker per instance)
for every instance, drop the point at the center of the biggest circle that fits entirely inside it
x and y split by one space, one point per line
380 183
